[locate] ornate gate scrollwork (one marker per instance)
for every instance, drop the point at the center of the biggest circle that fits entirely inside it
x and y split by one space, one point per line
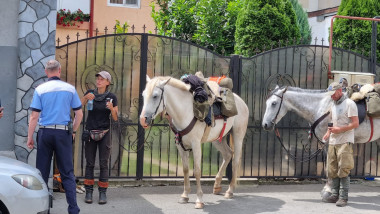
88 79
278 80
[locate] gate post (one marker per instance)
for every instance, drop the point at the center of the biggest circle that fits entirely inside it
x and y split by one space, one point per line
140 129
373 46
235 75
235 72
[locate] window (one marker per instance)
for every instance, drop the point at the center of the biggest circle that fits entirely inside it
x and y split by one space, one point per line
124 3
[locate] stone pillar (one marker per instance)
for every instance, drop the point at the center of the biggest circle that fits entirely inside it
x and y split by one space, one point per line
8 70
36 45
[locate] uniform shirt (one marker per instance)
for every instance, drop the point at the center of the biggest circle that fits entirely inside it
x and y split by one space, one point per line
54 99
341 114
99 117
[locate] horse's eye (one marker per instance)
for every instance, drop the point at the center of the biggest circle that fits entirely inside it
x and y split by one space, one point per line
274 103
154 96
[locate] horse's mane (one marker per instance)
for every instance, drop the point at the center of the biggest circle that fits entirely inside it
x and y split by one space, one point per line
300 90
172 82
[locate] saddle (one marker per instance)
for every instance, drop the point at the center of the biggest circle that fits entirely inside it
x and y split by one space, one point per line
220 101
367 99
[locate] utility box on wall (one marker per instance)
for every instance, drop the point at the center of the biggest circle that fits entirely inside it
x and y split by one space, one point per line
354 77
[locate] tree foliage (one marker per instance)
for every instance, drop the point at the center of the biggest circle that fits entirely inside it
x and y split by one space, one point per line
263 23
209 23
302 21
356 34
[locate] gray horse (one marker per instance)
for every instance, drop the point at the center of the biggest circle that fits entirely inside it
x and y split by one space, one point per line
311 105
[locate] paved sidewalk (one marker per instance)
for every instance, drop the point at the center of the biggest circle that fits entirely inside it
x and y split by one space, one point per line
364 197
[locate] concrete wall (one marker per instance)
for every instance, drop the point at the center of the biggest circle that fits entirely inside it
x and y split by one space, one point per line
313 5
8 70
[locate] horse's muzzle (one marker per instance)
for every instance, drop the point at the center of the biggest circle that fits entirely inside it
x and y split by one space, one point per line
268 127
145 122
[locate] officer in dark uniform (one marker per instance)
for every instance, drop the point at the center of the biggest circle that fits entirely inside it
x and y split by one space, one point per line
51 106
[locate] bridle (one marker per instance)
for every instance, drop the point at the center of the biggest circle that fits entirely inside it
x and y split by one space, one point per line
311 156
162 88
279 109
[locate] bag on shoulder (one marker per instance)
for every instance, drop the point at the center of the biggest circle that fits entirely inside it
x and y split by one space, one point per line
97 135
373 104
85 136
228 105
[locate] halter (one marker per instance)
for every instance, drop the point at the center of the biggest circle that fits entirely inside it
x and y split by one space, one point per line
161 99
279 109
311 156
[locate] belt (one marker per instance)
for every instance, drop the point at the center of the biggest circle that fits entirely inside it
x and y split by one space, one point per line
62 127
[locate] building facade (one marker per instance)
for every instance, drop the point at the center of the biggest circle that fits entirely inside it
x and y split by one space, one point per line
320 13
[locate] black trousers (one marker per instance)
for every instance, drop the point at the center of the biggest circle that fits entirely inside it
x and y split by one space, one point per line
104 145
60 142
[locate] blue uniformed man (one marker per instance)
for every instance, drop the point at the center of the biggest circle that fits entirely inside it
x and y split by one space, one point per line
51 105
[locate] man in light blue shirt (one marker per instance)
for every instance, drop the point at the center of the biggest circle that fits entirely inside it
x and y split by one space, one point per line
51 106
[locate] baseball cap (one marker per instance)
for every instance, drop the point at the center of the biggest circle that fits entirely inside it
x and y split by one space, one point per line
105 75
333 87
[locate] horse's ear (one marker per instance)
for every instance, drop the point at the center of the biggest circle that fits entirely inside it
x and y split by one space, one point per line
147 78
163 82
276 87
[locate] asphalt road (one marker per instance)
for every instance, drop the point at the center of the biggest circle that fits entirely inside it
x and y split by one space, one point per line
364 197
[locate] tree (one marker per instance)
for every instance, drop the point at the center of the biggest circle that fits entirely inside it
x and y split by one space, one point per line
302 21
263 23
209 23
356 34
175 18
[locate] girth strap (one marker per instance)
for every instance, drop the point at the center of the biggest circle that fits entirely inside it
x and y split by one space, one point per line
371 121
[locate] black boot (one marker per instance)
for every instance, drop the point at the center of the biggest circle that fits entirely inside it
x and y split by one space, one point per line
102 195
89 190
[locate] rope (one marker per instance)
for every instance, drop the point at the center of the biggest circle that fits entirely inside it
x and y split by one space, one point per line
315 154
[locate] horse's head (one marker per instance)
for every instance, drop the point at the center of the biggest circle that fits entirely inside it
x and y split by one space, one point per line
153 100
275 109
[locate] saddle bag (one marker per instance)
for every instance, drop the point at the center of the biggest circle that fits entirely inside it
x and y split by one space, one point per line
228 105
373 104
200 110
97 135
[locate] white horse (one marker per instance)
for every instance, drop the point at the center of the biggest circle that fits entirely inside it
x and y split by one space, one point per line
311 105
166 94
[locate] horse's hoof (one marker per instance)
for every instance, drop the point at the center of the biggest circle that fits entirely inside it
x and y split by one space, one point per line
199 205
229 195
217 190
183 200
325 194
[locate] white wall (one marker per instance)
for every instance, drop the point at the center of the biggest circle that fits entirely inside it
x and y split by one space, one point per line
320 30
74 5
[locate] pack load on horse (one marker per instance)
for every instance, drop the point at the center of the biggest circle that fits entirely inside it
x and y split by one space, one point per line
173 96
314 106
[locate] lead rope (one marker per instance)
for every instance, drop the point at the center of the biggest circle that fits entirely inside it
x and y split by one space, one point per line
293 156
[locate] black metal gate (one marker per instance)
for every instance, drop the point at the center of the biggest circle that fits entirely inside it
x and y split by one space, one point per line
139 153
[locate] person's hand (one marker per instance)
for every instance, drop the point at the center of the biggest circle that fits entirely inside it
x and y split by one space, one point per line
73 137
1 112
335 129
109 105
30 143
90 96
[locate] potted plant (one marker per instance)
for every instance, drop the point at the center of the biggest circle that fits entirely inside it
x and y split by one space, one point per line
67 18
